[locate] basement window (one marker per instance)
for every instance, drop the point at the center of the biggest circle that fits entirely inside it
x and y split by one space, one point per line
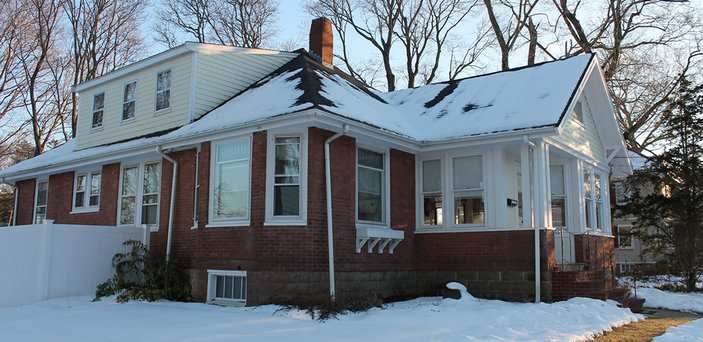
227 287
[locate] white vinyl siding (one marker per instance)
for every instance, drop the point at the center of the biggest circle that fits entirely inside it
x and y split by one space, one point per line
583 137
216 84
114 128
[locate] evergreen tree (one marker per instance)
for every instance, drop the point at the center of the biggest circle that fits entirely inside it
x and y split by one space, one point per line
666 197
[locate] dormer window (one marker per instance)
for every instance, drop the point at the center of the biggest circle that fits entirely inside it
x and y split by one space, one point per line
98 107
163 90
129 100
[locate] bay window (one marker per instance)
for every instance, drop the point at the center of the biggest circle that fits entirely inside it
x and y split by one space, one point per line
371 192
231 178
467 186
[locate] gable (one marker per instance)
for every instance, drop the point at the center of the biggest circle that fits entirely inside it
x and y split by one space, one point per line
582 136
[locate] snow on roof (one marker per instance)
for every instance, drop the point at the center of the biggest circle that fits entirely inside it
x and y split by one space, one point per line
519 99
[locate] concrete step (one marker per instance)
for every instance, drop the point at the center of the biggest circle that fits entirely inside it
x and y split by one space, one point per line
634 304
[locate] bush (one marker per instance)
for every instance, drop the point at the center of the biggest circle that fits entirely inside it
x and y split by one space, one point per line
141 276
324 308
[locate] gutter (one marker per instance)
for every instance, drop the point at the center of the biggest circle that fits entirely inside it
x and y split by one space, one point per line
173 198
328 189
538 288
14 210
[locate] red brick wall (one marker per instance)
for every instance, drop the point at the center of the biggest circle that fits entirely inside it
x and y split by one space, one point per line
596 252
569 284
483 251
61 199
25 201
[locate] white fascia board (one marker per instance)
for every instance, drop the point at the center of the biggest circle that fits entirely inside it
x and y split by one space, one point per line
134 67
577 94
174 52
531 133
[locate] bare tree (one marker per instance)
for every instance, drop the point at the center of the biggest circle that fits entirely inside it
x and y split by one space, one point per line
509 32
646 48
13 18
245 23
37 59
105 36
373 20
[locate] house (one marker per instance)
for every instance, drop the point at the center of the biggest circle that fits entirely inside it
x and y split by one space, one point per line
231 158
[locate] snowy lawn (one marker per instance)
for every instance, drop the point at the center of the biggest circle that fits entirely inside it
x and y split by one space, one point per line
422 319
679 301
688 332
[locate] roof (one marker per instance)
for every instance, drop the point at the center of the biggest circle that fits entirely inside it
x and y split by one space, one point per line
515 100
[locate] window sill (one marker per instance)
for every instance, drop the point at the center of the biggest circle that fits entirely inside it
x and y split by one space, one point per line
83 211
162 111
271 223
130 120
226 224
442 229
96 129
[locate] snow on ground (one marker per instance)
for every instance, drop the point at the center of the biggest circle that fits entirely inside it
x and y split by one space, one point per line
679 301
656 281
422 319
688 332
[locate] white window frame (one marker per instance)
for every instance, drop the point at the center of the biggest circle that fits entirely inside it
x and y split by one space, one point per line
229 222
597 224
36 199
138 201
124 102
212 287
156 91
86 197
386 188
287 220
449 225
93 110
421 172
564 196
451 191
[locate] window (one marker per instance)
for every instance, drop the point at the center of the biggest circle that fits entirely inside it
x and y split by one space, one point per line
41 200
139 196
578 111
163 90
622 193
230 187
286 185
599 201
98 109
129 100
87 191
624 238
588 197
227 287
467 186
371 180
558 189
432 192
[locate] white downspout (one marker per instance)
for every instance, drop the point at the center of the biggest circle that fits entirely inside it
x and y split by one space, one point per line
196 198
173 198
536 225
328 189
14 210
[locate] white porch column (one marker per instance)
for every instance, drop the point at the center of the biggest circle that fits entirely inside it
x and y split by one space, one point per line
541 196
527 214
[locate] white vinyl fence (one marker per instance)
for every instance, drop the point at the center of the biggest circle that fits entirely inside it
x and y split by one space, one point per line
43 261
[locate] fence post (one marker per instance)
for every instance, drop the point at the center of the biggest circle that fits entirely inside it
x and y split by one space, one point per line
45 260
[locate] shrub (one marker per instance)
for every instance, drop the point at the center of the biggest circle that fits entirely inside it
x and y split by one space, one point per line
141 276
324 308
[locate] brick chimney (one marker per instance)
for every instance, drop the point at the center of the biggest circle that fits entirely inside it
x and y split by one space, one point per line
321 39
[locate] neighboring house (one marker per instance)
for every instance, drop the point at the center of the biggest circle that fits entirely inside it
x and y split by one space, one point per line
456 181
629 251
